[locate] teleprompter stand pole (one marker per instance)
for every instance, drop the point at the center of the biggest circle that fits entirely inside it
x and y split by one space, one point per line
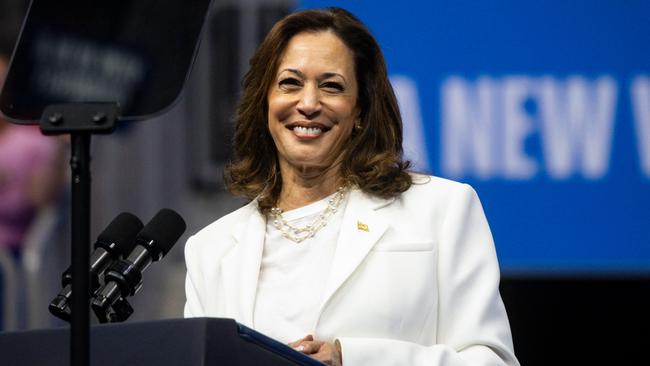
80 253
80 120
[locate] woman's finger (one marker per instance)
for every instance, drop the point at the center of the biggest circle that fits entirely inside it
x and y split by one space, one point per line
309 347
295 344
328 354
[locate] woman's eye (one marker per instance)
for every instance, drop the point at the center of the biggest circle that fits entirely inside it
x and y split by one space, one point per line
331 85
289 82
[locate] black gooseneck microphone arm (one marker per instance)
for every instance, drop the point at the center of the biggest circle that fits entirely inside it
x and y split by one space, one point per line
124 277
115 241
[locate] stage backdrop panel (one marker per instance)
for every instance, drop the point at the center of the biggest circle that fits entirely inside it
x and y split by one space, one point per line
544 107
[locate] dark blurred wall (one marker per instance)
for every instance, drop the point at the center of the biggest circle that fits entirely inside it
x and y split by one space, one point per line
11 16
579 321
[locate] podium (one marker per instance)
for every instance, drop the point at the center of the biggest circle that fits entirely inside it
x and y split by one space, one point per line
174 342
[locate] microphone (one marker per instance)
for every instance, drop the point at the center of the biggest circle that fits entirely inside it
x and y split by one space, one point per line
124 277
115 241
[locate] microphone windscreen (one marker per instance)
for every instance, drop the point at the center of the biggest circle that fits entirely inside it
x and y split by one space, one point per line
164 230
119 235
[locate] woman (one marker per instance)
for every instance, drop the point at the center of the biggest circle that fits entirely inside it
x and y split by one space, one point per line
342 253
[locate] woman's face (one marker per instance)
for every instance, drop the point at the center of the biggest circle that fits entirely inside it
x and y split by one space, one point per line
313 101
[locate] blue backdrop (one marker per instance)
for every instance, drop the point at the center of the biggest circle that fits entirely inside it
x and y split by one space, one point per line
544 107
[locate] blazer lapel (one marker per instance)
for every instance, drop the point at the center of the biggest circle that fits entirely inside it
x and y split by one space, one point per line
361 228
241 268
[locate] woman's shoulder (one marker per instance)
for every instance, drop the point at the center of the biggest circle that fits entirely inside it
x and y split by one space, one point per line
428 185
436 195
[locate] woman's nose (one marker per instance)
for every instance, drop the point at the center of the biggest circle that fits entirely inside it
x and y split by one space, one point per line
309 102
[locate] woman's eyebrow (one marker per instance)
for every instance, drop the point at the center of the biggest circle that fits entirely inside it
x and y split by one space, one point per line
293 71
325 75
328 75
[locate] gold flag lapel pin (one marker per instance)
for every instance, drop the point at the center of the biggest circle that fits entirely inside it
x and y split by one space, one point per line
362 227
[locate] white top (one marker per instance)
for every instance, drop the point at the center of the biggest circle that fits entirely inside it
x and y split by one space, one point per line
293 275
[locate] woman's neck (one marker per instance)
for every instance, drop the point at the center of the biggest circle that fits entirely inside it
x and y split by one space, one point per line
300 188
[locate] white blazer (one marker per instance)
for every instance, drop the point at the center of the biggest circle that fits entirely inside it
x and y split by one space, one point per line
414 279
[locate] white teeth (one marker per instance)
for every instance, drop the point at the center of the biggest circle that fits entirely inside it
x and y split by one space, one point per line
312 131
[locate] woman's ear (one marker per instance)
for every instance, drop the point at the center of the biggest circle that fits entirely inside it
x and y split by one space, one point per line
358 126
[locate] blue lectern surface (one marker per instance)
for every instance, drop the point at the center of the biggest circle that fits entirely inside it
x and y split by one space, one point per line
175 342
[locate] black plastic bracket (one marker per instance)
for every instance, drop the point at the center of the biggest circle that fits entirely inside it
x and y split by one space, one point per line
93 118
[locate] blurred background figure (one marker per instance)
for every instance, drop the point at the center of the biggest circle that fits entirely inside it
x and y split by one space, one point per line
31 176
31 182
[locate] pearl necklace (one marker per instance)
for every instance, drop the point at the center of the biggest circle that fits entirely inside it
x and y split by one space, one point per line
299 234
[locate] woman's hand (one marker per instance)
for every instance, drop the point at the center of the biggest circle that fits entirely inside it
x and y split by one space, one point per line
326 352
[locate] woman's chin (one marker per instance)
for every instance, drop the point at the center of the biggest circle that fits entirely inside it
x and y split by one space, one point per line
310 167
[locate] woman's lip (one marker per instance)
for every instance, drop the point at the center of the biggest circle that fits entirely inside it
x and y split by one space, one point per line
308 133
307 124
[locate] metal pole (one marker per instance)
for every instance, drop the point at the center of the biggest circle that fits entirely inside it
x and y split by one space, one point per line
80 218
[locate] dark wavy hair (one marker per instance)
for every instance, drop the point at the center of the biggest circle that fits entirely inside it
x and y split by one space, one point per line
372 159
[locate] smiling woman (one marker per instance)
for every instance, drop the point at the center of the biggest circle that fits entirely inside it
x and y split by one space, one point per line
342 253
352 69
312 106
